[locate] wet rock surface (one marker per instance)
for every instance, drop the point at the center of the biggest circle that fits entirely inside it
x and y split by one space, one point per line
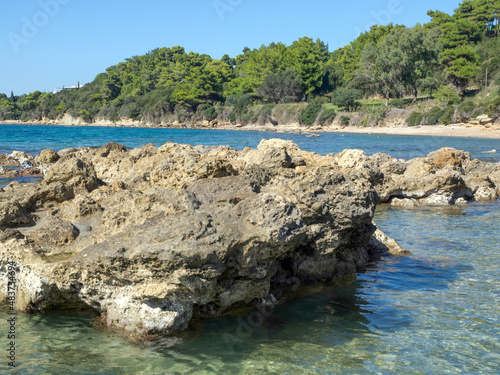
154 236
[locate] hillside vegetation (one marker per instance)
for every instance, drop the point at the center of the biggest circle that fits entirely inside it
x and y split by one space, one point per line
445 71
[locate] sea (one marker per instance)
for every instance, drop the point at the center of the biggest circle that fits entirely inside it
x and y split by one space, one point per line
435 312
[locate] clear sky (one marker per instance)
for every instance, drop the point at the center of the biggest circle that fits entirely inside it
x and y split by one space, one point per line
46 44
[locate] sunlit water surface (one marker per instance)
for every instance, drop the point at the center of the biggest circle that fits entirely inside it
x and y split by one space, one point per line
33 139
436 312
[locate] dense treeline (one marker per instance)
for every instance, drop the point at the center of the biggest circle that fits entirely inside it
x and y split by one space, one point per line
445 57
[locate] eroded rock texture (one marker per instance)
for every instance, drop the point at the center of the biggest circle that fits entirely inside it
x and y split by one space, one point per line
153 236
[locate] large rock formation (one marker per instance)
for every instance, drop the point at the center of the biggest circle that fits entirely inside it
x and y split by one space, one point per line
447 176
151 237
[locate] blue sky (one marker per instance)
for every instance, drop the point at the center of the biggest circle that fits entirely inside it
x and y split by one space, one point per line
50 43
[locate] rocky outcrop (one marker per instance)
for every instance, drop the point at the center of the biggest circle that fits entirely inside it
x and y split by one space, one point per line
446 176
45 160
154 236
18 164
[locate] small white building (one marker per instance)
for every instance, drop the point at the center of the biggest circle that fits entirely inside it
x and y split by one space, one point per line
68 88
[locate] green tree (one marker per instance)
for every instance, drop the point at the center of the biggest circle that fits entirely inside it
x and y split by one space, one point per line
347 98
462 66
447 95
111 86
460 61
349 57
7 109
310 113
253 66
438 19
484 13
489 59
418 51
381 69
333 76
281 87
307 63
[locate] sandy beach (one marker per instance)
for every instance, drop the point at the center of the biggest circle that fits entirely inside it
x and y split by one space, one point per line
457 130
437 131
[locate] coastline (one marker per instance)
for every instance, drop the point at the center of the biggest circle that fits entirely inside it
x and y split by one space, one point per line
452 130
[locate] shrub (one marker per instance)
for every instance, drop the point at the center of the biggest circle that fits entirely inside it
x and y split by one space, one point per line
242 103
249 118
232 117
447 95
495 104
480 111
133 111
344 120
323 99
467 106
465 110
267 109
114 117
86 115
327 116
210 113
364 122
398 103
310 113
415 119
347 98
230 100
265 113
433 116
447 117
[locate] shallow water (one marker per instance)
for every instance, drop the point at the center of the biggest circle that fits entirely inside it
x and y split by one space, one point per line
435 312
33 139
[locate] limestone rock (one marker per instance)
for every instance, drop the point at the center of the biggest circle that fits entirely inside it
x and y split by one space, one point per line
380 243
274 153
449 157
446 176
73 172
9 161
152 237
351 158
54 231
23 158
48 156
484 120
45 160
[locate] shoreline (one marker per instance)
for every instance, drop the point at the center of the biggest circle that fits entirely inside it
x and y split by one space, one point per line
453 130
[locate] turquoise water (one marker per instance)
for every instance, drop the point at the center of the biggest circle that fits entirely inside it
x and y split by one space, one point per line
33 139
436 312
